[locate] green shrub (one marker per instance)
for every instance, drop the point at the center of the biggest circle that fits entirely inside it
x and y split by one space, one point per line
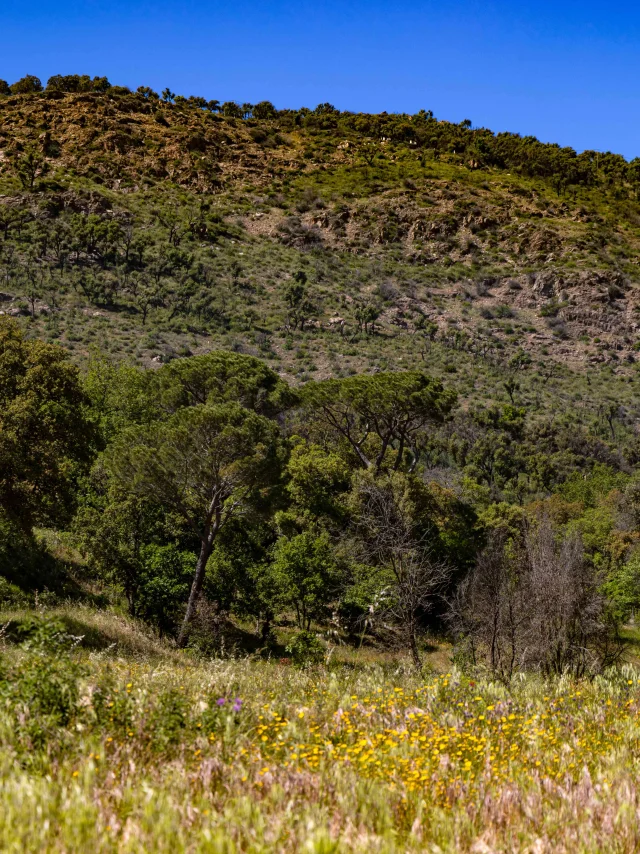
166 578
43 634
305 649
40 696
11 595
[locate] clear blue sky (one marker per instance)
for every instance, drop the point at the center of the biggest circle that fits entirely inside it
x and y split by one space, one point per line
565 71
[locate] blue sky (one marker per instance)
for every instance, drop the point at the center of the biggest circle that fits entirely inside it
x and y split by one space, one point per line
566 72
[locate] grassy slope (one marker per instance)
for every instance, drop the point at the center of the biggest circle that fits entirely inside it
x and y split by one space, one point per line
430 241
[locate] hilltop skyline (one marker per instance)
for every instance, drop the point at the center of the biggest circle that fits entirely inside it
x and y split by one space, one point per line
563 73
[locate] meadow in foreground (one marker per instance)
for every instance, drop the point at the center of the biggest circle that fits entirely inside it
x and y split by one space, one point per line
160 752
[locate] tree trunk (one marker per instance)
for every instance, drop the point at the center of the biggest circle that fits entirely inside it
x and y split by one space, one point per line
196 587
415 655
265 630
381 453
399 455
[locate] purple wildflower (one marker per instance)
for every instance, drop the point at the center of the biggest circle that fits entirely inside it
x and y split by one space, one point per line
221 701
237 705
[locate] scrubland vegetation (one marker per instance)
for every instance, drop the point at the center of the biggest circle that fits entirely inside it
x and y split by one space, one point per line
319 489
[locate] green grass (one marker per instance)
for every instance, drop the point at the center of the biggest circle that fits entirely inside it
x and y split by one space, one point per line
127 748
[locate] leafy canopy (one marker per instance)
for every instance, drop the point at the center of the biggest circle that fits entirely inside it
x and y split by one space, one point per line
220 376
204 461
45 437
380 413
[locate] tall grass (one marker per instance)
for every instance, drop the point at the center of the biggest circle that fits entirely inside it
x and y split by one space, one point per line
106 752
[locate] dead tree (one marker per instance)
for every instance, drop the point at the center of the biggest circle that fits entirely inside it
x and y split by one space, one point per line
388 537
534 602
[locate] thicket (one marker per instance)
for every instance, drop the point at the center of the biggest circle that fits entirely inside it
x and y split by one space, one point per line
367 509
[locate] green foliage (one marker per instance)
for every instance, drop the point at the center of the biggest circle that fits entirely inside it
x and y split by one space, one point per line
10 594
622 588
503 516
202 462
45 436
26 85
120 395
43 635
316 480
589 488
47 687
306 649
235 576
596 525
371 413
206 464
111 529
300 307
77 83
21 562
41 693
264 110
166 575
222 377
305 574
460 531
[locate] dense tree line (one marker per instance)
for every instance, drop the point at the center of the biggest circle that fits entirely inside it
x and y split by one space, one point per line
367 507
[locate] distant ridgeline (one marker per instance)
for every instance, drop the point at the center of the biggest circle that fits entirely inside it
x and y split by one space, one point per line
475 147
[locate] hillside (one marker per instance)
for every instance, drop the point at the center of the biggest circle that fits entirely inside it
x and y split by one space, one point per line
319 480
163 227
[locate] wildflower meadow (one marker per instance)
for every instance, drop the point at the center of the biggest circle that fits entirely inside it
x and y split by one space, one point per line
161 752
